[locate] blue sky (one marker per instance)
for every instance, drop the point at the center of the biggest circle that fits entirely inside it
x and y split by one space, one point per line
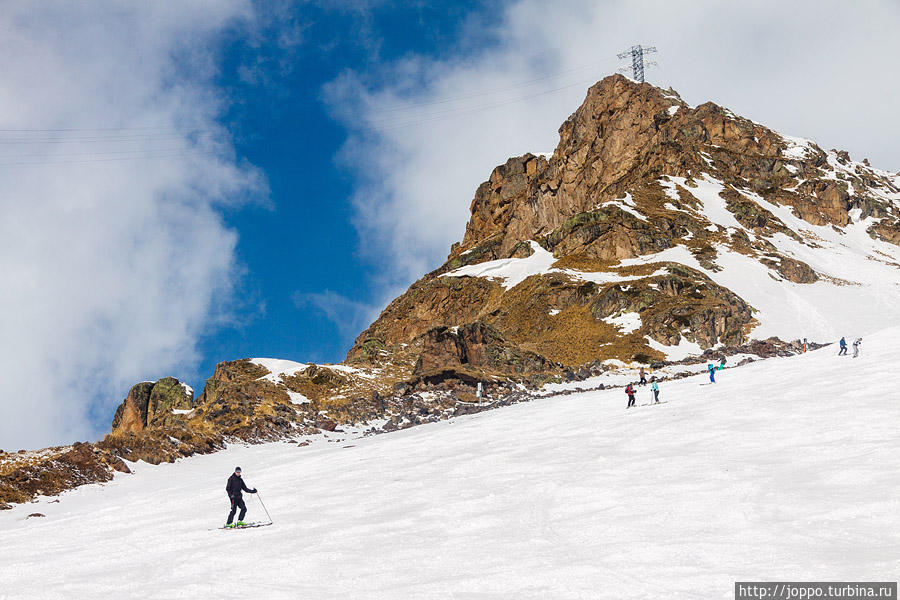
185 183
303 244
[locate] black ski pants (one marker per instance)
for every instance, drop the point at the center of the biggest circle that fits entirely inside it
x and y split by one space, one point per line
236 503
630 400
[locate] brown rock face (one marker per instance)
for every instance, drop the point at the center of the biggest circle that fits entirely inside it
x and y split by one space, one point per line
626 135
132 413
619 186
64 469
475 345
791 269
623 134
150 404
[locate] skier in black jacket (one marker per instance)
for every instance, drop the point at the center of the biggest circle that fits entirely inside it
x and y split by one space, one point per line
234 487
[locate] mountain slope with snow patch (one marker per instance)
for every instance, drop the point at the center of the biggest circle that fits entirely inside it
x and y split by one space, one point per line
787 469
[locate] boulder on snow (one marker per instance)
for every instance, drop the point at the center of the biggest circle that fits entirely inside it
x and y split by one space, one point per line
327 425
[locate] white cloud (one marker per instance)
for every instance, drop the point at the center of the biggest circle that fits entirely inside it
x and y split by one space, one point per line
821 70
113 253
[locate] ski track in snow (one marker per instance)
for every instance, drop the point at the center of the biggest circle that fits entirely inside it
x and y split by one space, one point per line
785 469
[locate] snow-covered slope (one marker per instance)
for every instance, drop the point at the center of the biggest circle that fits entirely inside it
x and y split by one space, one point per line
785 469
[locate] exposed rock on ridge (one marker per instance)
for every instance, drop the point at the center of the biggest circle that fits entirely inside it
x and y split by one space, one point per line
607 251
152 403
632 176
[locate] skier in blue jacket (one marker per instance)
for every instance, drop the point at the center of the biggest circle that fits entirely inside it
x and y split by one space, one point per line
712 372
843 350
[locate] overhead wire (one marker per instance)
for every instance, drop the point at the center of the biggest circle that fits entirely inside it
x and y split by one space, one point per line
79 154
500 89
146 156
92 139
67 129
392 120
471 110
384 121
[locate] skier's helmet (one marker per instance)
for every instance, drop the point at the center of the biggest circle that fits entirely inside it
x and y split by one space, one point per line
237 469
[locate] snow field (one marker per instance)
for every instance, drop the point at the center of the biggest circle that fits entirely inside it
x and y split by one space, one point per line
787 469
513 271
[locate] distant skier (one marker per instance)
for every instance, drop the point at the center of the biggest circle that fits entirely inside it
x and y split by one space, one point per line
804 346
629 389
654 387
234 487
712 372
643 377
722 362
843 350
856 347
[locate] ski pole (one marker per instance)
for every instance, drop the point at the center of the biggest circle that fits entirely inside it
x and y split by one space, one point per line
258 497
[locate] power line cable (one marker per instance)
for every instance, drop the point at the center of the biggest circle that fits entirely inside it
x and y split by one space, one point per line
87 154
461 112
111 159
465 109
501 89
67 129
126 135
90 140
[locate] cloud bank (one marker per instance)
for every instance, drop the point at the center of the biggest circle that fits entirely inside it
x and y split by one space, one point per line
113 176
425 131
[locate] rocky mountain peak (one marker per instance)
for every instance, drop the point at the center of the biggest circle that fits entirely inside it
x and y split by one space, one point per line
626 136
652 208
656 233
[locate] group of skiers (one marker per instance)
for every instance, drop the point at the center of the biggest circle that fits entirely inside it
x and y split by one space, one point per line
654 387
712 368
856 345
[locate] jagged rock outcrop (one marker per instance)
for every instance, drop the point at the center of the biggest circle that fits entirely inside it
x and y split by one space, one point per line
151 404
475 345
636 173
53 470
